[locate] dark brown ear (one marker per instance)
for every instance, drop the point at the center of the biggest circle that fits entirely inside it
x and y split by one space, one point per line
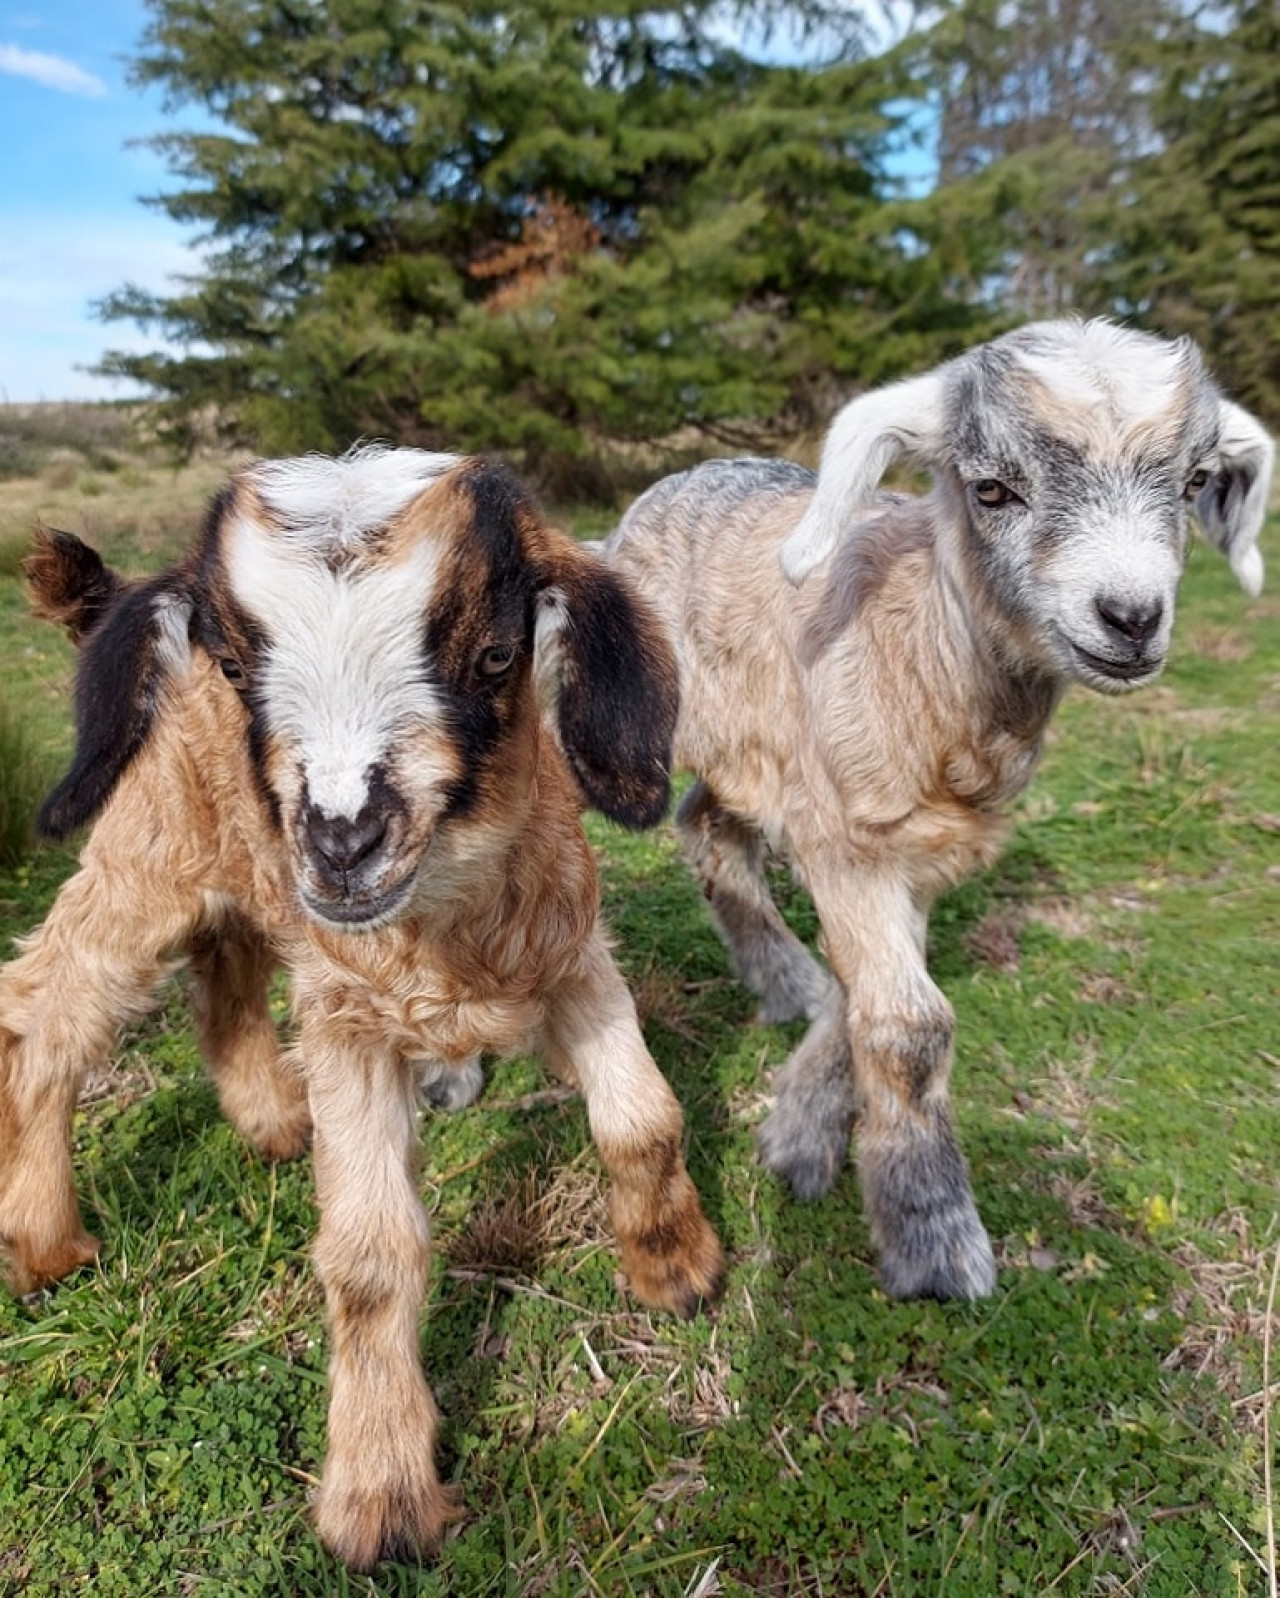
615 683
68 583
120 678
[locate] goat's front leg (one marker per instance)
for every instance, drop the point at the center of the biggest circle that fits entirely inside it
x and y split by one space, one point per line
592 1038
260 1086
915 1183
380 1496
94 964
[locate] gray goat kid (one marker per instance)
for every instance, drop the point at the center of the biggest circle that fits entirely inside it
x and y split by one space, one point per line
873 718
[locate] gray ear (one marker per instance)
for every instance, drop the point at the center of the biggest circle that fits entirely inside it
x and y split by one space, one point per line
864 440
1232 505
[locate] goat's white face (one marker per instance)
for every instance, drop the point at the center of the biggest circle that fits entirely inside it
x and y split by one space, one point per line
1076 463
381 652
1067 456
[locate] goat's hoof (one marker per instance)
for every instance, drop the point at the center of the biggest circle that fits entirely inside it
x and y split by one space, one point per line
28 1266
447 1086
808 1155
942 1255
924 1224
683 1277
404 1524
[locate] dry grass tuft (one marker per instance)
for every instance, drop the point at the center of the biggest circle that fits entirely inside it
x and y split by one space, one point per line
1226 1313
995 941
513 1233
1226 644
662 997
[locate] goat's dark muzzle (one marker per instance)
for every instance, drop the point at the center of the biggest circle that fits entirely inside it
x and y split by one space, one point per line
346 860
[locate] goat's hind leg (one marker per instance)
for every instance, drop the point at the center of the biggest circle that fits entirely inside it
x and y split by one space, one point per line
805 1140
94 964
260 1086
592 1039
727 856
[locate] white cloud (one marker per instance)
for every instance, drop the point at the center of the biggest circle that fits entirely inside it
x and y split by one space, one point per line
50 70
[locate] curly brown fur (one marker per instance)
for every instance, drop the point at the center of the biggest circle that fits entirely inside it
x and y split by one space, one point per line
318 743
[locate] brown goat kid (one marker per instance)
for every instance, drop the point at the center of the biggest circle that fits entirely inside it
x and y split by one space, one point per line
875 724
318 741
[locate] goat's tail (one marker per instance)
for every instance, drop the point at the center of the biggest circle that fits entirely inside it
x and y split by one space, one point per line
69 583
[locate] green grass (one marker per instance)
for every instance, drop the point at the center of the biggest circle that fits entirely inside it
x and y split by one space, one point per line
1090 1429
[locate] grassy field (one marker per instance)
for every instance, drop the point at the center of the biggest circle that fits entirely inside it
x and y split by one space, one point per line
1095 1427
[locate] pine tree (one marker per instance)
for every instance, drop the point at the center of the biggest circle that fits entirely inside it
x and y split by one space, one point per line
529 228
1196 243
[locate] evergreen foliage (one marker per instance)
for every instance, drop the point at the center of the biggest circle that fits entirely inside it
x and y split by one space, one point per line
531 228
1194 245
1040 99
563 234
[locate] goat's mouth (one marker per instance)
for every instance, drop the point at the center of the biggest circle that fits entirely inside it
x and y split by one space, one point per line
1111 676
359 912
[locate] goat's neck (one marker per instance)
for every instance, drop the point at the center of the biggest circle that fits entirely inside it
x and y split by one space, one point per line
1002 696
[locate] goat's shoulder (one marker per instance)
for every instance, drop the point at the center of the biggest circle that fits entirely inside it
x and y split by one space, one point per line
189 803
881 579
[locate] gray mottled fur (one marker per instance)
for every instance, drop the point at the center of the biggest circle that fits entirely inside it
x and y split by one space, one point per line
872 721
727 855
448 1086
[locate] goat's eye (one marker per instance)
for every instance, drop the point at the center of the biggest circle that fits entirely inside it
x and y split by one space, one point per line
989 491
1195 483
233 671
495 660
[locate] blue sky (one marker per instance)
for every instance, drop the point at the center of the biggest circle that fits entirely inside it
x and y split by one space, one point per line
72 227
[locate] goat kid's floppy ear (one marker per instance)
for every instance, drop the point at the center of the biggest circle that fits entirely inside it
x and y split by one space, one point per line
864 440
604 659
120 676
1232 505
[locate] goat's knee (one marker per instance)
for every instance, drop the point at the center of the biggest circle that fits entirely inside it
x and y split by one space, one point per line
920 1208
670 1252
726 855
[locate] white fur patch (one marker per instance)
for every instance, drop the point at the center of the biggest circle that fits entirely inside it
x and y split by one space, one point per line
548 643
344 673
327 502
173 613
1096 365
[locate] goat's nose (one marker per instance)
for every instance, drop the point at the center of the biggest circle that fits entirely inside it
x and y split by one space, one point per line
1136 623
343 842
